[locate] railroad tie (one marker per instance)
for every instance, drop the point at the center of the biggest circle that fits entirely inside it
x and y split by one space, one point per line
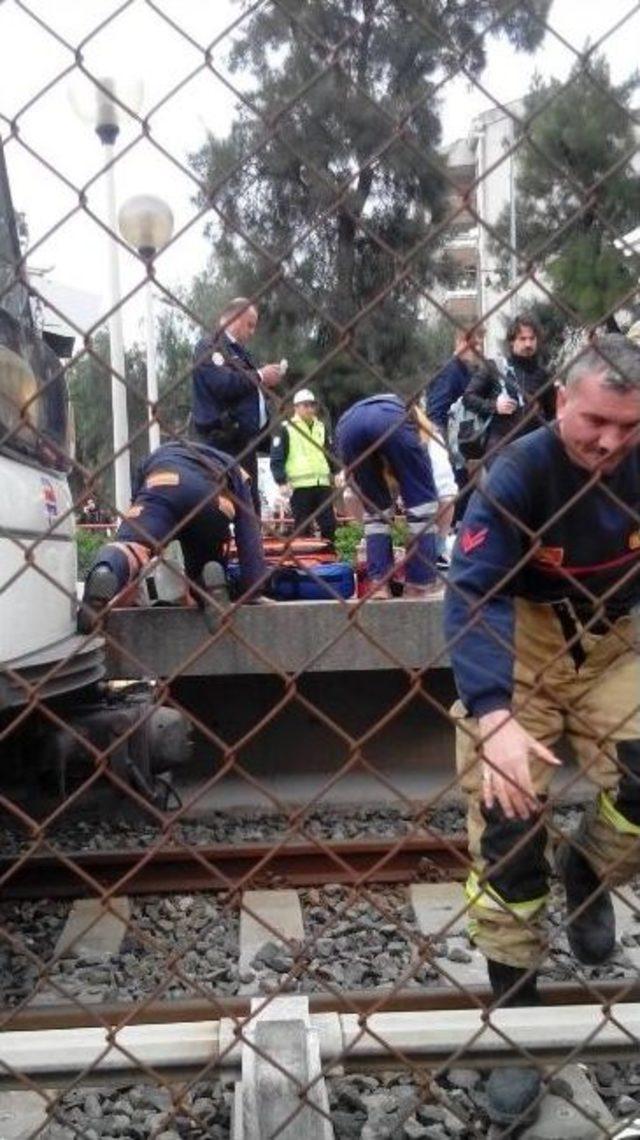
440 914
267 918
93 928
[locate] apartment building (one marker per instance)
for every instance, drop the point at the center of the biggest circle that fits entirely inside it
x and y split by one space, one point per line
481 175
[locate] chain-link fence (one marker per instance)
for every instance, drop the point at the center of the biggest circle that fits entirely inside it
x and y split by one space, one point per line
288 847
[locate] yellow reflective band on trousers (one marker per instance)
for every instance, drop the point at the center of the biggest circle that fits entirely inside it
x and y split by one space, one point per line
306 464
483 895
608 812
597 708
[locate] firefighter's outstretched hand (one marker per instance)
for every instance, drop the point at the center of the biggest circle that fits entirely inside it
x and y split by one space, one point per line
507 749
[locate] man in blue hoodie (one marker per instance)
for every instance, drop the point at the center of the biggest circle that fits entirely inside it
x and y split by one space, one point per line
545 572
451 382
448 386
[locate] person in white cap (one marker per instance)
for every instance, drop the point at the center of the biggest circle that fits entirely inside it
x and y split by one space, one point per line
301 467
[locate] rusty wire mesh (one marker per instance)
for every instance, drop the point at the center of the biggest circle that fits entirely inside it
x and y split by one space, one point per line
269 672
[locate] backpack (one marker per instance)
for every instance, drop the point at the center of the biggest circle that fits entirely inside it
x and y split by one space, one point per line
468 431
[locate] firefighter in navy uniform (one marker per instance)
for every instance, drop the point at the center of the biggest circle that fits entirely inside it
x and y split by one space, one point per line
545 572
229 407
190 492
378 441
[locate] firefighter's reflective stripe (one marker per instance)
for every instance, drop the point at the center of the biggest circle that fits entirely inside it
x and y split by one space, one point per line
136 554
483 895
421 518
377 524
608 812
163 479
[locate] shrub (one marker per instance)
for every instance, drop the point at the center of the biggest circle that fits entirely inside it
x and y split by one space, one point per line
346 541
88 543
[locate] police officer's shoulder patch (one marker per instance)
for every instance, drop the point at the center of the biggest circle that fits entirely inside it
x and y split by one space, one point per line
162 479
217 359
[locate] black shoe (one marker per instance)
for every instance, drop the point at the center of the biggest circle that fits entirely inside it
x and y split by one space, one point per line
592 931
99 589
513 1094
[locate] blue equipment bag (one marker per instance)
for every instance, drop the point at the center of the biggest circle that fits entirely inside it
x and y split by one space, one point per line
321 582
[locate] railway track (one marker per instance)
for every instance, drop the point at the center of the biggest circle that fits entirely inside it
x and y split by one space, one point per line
370 1032
224 867
76 1015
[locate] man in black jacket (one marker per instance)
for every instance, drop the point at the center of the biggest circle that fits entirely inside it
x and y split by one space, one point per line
520 396
230 391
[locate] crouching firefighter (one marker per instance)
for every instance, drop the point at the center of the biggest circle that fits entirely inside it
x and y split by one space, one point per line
379 443
545 572
193 493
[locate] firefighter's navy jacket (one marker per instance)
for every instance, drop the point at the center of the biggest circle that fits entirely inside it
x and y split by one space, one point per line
226 391
202 469
588 545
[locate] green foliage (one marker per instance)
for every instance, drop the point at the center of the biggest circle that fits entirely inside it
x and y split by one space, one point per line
346 541
88 543
577 189
350 534
329 188
90 392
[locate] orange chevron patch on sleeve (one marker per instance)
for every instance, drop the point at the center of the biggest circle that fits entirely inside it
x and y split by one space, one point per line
472 539
162 479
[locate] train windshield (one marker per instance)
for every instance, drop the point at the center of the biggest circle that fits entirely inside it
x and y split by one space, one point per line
34 413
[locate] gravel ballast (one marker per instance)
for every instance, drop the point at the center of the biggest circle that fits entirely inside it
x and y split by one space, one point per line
136 1112
392 1105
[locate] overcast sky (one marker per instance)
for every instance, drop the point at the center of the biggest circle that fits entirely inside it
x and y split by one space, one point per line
140 44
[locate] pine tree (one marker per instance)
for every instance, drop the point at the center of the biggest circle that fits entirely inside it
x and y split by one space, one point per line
578 193
329 192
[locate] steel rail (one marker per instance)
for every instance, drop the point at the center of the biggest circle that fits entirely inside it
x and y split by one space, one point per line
72 1015
380 1040
223 867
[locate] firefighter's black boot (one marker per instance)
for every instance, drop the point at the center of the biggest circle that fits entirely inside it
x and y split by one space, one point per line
100 587
513 1093
591 931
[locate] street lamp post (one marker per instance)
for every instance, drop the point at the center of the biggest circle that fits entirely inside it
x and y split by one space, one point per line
146 223
104 114
107 129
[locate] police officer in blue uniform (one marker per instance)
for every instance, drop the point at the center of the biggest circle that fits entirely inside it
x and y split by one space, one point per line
545 572
190 492
378 441
230 392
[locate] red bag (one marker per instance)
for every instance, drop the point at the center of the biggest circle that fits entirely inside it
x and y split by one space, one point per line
295 552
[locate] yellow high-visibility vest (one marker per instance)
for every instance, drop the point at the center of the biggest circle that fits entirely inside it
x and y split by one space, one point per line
306 464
